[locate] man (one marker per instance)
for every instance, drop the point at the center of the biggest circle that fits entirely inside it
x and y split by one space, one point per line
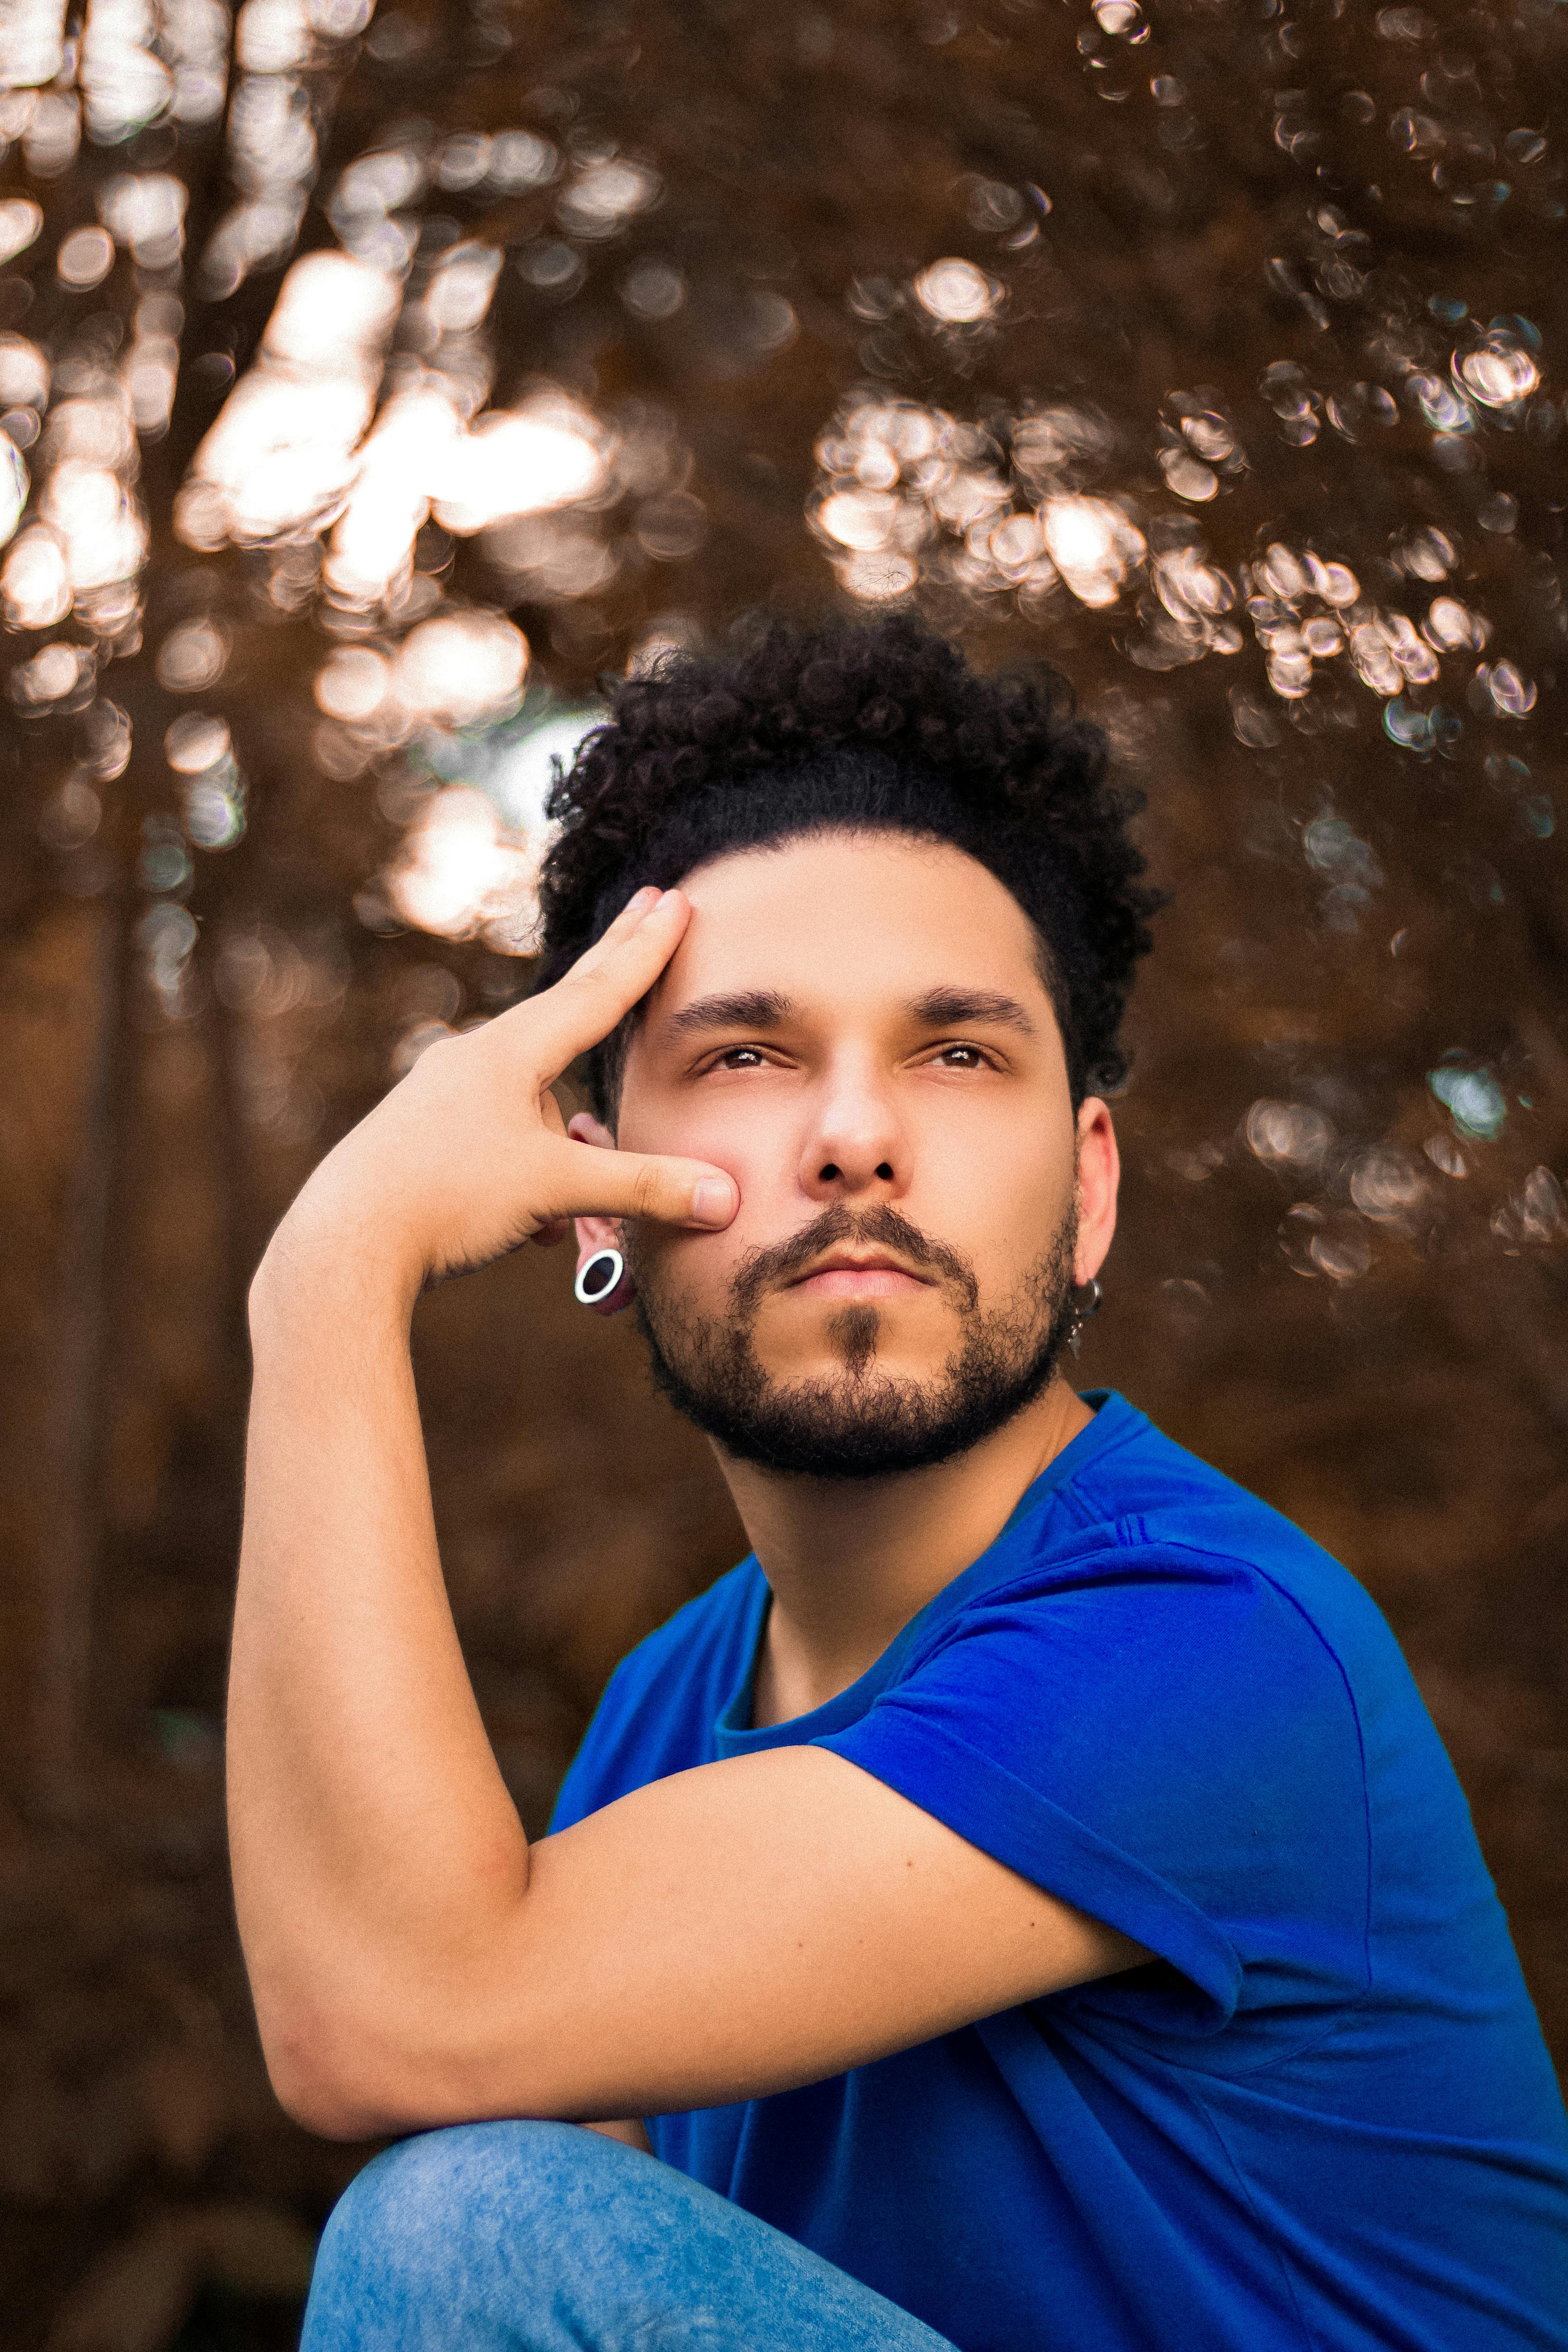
1026 1903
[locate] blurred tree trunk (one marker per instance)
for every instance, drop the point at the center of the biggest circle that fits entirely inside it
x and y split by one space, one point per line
63 981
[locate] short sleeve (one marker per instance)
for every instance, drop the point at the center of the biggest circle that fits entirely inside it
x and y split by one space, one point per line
1163 1739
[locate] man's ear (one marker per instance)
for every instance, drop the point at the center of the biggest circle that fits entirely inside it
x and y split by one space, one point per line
1099 1177
594 1233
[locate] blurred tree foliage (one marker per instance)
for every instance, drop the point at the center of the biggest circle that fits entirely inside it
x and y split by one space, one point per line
1212 352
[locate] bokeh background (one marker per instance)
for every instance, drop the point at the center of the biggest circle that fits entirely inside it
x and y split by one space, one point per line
372 385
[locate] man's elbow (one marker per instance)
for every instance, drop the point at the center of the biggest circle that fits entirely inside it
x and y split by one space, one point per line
348 2079
317 2089
336 2074
318 2108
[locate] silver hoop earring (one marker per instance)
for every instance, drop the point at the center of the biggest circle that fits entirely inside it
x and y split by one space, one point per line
1086 1299
597 1276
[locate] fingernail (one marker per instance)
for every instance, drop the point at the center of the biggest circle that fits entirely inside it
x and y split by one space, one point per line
642 901
712 1201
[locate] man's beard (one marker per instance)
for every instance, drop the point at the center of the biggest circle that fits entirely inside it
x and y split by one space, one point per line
860 1422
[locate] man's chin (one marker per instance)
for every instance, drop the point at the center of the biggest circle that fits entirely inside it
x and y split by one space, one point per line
846 1427
850 1425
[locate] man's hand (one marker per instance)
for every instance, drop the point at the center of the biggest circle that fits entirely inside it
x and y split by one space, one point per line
469 1157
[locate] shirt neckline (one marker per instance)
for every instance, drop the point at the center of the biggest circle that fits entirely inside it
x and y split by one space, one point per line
733 1735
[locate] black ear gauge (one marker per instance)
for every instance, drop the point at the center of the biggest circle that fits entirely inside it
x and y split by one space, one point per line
597 1276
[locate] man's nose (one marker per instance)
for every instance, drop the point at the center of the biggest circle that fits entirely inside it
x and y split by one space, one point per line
854 1148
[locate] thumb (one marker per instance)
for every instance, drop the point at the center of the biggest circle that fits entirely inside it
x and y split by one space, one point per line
588 1181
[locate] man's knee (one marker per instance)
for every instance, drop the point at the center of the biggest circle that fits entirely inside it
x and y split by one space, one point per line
444 2220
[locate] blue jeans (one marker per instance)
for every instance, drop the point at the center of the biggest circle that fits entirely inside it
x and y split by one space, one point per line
537 2237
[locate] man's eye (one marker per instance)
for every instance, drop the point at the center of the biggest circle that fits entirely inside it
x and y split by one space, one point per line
962 1057
739 1057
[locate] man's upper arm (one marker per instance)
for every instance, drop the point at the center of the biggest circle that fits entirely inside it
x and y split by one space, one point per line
729 1932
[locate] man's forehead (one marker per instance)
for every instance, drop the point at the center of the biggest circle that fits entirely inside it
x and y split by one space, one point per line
883 914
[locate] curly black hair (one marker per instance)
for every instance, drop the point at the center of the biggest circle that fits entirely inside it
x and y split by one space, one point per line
859 728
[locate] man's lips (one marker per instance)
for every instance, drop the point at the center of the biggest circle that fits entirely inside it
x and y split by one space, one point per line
839 1275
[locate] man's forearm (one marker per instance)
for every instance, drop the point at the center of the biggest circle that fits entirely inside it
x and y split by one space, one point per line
379 1864
372 1836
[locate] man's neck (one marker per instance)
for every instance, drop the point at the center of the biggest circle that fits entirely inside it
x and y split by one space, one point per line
851 1560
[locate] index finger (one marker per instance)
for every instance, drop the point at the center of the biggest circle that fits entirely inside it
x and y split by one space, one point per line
606 982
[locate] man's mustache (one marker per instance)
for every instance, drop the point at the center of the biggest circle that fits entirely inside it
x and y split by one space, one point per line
771 1269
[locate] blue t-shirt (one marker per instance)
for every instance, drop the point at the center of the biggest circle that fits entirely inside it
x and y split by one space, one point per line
1323 2117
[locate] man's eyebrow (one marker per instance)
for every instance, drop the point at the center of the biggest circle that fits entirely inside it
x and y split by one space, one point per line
955 1008
747 1008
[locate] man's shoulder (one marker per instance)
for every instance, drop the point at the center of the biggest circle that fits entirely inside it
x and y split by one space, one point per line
1138 1473
1143 1506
